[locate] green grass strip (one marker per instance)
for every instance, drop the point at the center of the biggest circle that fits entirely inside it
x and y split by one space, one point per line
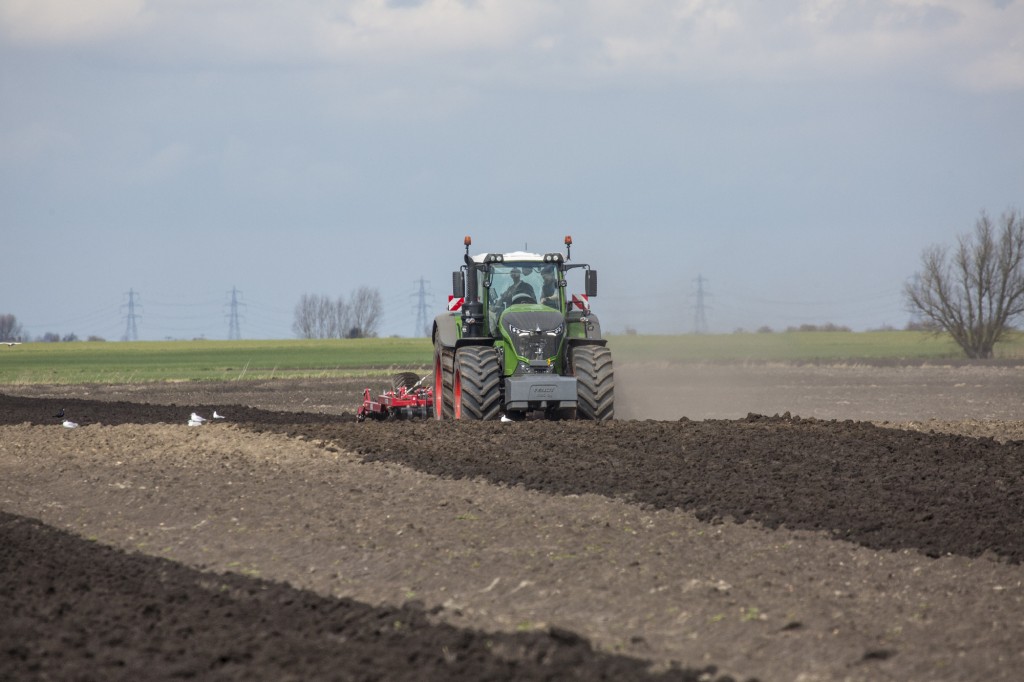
144 361
147 361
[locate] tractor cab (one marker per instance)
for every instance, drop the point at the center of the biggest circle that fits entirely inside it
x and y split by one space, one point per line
522 283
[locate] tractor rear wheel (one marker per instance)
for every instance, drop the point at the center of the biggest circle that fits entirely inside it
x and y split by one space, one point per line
444 360
476 391
595 382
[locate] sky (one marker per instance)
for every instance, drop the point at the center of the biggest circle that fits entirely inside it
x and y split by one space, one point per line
765 164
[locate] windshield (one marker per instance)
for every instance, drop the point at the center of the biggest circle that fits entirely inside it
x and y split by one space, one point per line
517 283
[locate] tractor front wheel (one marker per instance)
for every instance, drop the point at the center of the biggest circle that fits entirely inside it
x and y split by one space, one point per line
595 382
476 391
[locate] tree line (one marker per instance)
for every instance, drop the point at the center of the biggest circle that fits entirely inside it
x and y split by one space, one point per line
12 331
316 317
323 317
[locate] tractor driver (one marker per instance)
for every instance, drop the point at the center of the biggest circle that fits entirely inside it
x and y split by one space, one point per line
549 289
519 291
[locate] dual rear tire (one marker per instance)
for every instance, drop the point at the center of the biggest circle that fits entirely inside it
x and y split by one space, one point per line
595 382
476 387
467 383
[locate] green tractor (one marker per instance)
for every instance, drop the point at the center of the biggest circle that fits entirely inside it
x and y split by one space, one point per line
513 343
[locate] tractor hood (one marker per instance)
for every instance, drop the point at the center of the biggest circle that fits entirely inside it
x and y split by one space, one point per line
535 332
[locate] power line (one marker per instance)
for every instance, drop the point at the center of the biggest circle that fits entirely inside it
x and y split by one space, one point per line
700 320
131 332
234 329
422 314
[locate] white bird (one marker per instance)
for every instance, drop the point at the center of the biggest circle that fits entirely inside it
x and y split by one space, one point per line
217 416
11 344
194 422
70 424
506 420
196 418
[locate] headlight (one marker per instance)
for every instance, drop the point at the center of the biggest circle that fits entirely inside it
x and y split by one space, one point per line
516 331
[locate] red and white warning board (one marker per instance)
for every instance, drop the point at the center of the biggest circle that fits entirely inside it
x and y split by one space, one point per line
581 301
455 303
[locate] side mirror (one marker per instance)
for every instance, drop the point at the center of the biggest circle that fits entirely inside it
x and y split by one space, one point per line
590 282
458 285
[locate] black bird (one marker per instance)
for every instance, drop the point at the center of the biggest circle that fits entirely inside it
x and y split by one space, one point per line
59 415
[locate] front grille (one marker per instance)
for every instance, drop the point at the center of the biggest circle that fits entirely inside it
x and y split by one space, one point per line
536 336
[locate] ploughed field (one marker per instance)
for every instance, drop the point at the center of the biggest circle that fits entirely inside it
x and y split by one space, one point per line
687 540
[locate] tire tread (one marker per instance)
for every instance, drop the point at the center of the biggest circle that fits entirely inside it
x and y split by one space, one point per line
595 382
480 376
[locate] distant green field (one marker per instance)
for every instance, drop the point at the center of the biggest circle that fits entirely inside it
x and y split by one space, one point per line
142 361
801 347
124 362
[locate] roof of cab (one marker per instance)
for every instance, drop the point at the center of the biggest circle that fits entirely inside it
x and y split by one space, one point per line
515 256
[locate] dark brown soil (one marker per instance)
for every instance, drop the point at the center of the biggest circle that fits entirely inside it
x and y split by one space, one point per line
289 544
74 609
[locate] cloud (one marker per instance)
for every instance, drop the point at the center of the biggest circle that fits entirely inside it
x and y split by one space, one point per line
977 45
998 70
64 22
409 30
811 40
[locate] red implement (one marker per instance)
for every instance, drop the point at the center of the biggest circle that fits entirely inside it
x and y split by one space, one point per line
402 403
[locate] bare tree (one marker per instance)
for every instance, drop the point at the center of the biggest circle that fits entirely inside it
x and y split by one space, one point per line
975 291
340 316
324 318
365 309
10 329
319 317
304 324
